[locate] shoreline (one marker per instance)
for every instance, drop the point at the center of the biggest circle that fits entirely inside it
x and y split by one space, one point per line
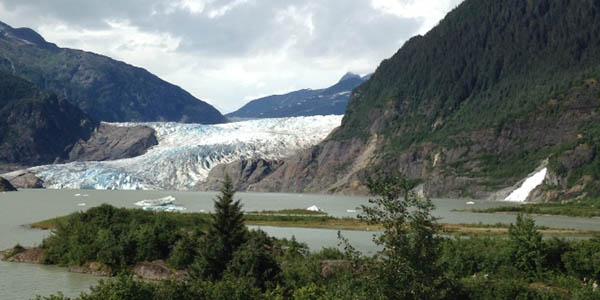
318 221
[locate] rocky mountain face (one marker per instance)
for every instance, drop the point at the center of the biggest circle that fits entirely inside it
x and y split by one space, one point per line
109 142
37 127
497 89
244 174
329 101
106 89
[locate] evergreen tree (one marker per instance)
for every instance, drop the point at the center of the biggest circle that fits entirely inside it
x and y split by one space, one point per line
226 234
527 245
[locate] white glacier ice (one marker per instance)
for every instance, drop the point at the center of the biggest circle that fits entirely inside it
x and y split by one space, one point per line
521 194
187 152
161 204
155 202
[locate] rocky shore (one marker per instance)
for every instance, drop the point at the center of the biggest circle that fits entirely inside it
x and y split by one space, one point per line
152 271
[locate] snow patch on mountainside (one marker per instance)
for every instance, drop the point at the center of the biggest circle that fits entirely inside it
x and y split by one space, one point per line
187 152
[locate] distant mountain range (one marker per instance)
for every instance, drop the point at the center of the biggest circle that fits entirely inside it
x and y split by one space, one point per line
329 101
106 89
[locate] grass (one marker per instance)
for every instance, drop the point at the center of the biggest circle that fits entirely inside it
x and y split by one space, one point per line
295 212
578 208
302 219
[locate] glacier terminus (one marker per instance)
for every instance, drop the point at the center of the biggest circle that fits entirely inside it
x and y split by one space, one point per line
187 152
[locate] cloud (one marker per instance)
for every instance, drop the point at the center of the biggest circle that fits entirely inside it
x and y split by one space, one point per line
224 51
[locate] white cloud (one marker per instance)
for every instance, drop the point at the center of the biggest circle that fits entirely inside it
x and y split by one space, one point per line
430 11
225 51
193 6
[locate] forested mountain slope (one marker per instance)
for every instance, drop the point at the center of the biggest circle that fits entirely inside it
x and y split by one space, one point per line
483 99
35 126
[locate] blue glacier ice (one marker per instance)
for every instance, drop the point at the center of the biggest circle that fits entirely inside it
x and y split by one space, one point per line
187 152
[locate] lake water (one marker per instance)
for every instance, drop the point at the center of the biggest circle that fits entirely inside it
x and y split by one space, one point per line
23 281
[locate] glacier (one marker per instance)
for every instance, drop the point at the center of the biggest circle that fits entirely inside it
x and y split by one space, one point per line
187 152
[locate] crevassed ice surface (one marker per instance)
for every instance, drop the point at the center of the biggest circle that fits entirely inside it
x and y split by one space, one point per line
186 152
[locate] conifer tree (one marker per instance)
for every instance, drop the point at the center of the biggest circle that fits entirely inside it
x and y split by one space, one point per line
226 234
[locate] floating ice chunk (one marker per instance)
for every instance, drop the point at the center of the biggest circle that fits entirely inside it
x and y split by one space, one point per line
521 194
166 208
313 208
156 202
160 204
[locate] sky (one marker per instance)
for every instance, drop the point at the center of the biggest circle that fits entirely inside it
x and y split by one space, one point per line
227 52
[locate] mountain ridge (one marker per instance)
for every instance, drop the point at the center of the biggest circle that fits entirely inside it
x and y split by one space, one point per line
304 102
467 116
106 89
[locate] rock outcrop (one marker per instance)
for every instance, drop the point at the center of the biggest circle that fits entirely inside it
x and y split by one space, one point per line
92 268
157 270
244 174
110 142
6 186
24 180
23 255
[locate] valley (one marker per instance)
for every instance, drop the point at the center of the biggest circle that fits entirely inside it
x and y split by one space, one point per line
466 166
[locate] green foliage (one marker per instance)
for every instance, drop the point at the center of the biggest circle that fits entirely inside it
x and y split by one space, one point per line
184 251
526 245
255 260
123 287
409 267
589 207
117 237
225 235
465 257
493 78
416 261
584 260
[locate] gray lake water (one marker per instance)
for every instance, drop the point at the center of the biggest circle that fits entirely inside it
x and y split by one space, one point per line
23 281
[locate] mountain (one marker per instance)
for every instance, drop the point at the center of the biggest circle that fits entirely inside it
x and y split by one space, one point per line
187 152
36 126
106 89
497 90
330 101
